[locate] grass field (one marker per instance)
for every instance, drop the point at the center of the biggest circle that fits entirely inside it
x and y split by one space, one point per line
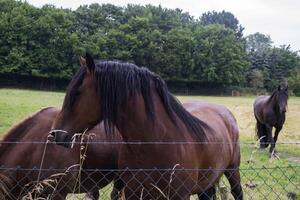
17 104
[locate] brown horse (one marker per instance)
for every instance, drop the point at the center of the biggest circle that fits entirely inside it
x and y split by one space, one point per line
20 163
269 112
172 151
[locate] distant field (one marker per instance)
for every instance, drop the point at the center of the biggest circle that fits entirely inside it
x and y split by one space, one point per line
17 104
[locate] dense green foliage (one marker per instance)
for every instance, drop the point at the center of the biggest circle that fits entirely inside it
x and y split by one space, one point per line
46 42
271 66
225 18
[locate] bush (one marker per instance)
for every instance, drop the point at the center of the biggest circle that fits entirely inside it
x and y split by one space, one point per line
296 92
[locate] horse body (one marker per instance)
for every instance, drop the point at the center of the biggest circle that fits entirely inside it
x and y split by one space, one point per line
24 159
269 112
264 112
213 156
170 153
221 151
224 134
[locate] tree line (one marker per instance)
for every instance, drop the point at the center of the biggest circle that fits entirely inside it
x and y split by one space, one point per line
46 42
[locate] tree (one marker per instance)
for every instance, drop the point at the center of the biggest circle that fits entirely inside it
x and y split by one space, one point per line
294 80
47 41
256 78
16 19
52 52
277 64
219 56
258 42
225 18
89 19
178 54
36 41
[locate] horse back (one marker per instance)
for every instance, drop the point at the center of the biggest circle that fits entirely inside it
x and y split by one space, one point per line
260 102
218 117
223 133
20 131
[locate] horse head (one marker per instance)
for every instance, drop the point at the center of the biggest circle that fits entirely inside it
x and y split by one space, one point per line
281 96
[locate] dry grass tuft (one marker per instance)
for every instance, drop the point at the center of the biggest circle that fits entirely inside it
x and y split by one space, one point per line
50 184
4 186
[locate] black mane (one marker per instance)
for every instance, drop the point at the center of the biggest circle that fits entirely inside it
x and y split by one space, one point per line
118 81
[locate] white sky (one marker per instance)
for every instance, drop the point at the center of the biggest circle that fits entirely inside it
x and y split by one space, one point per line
278 18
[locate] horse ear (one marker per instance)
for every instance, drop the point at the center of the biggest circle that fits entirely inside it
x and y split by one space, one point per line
90 62
279 88
287 87
82 61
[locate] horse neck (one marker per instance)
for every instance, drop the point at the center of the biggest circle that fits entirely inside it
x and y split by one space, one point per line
135 126
273 102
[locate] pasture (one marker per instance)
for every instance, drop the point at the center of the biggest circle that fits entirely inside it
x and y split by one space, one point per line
17 104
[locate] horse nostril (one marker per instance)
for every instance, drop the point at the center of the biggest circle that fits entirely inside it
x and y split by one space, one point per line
283 110
51 136
59 137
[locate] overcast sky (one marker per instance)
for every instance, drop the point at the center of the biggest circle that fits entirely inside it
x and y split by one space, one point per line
278 18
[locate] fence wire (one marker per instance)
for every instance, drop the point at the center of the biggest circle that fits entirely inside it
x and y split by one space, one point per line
79 182
139 143
257 183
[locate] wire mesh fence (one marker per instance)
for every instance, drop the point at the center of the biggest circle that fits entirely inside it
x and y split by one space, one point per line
76 181
257 183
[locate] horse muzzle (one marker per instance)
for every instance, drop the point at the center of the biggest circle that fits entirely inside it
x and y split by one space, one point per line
60 137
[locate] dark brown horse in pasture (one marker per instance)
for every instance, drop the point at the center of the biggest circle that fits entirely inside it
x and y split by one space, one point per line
172 151
20 163
269 112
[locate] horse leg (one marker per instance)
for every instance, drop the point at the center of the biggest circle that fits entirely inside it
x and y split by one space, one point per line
270 139
209 194
268 130
272 149
116 193
234 179
92 195
60 196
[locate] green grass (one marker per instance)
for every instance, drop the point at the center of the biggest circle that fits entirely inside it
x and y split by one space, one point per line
17 104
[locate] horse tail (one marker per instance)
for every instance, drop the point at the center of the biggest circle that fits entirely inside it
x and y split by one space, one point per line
257 130
5 184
